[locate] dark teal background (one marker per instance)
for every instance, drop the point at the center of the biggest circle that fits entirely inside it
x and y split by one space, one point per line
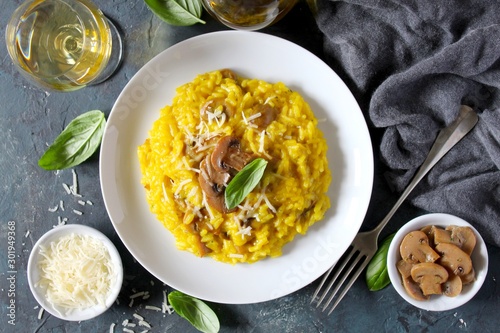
30 118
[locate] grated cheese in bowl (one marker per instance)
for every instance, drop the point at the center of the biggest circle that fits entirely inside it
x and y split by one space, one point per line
75 272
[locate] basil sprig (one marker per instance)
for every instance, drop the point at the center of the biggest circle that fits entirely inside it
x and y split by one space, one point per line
244 182
177 12
200 315
76 143
377 276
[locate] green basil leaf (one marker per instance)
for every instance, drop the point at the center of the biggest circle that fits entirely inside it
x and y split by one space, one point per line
177 12
244 182
377 276
195 311
76 143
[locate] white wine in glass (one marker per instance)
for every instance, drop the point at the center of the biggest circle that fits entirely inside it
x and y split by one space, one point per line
63 44
248 14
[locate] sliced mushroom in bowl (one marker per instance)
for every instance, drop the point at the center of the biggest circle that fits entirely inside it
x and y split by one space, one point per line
437 262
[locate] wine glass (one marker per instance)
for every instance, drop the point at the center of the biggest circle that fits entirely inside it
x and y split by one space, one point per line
63 45
248 14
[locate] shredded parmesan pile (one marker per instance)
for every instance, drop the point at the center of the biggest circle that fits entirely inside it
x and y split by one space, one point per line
76 272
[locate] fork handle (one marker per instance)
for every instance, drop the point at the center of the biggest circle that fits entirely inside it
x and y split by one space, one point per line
446 139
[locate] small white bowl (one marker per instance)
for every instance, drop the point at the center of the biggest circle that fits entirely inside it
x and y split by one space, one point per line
438 302
34 274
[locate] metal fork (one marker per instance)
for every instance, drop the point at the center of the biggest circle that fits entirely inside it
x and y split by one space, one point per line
364 245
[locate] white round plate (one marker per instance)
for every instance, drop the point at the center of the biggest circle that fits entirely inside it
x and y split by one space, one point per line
34 272
250 55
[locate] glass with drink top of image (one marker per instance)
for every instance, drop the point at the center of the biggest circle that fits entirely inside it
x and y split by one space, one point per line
63 45
248 14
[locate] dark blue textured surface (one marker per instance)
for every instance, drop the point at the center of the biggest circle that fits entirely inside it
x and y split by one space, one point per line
30 118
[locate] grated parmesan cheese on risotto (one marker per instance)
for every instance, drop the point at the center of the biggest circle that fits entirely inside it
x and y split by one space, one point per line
215 125
76 272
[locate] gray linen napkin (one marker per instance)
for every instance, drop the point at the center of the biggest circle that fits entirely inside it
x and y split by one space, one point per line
410 64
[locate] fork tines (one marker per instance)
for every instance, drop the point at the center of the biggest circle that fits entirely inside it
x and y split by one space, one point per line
351 260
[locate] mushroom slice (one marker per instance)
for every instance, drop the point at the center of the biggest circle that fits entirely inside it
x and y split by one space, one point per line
413 289
211 181
415 248
429 277
464 237
213 184
452 287
219 204
267 113
427 230
228 156
468 278
440 235
404 268
454 259
229 74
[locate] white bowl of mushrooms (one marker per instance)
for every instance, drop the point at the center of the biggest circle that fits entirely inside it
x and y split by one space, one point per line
437 262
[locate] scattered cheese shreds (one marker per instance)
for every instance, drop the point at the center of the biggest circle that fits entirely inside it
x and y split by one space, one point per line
77 212
76 272
40 313
165 196
247 231
205 203
266 199
66 188
193 192
165 307
60 221
138 316
75 182
139 294
245 120
181 185
254 116
153 308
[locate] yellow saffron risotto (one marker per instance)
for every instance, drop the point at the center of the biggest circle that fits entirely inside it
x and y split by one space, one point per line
290 197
